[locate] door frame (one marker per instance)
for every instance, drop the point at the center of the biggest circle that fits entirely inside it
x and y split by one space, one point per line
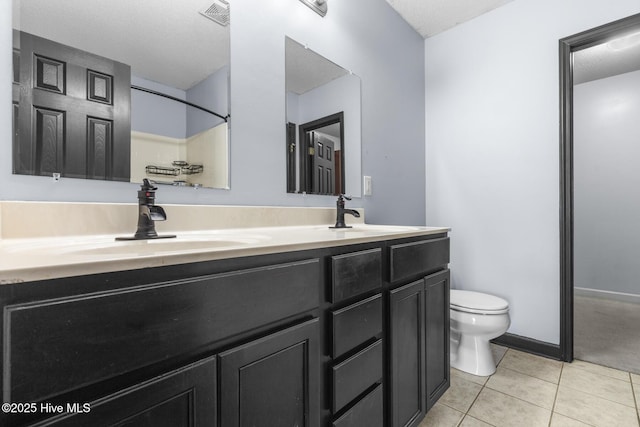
568 45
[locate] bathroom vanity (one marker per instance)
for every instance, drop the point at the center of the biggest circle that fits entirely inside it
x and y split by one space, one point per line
273 326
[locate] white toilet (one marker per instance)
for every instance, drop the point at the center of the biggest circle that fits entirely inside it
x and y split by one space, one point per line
476 318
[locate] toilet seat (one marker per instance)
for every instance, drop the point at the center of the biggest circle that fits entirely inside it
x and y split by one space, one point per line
477 303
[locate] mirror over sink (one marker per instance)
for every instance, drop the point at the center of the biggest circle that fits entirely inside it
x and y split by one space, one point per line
122 90
323 118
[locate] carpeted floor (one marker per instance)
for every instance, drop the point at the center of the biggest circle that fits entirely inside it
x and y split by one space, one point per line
607 332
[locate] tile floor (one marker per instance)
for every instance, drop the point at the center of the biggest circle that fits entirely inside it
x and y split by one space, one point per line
529 391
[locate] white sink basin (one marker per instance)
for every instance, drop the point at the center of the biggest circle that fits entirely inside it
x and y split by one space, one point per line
371 229
107 245
158 246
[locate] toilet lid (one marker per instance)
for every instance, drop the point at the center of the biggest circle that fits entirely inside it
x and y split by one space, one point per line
477 302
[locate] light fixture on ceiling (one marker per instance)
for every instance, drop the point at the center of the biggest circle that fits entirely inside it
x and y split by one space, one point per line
624 42
319 6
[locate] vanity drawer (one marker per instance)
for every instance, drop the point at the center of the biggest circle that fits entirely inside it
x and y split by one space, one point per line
367 412
355 324
66 343
355 273
409 260
356 374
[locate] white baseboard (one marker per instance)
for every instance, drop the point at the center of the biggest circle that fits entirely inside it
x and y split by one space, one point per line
598 293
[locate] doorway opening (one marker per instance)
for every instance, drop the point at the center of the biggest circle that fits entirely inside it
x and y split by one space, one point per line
569 46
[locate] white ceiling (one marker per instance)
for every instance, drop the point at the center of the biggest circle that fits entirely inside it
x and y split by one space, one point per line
430 17
170 42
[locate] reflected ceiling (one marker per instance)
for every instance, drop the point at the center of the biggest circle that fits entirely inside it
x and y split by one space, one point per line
306 70
183 33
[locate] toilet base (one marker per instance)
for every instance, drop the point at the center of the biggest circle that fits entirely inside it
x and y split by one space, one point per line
474 356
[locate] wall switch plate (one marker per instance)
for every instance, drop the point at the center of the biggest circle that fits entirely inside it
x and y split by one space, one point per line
367 185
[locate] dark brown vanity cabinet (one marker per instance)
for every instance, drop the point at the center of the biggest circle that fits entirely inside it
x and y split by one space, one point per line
140 344
345 336
419 329
357 364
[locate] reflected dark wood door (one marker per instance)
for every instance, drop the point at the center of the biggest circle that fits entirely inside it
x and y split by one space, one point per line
324 169
74 112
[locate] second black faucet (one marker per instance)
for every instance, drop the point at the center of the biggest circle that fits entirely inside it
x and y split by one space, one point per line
340 211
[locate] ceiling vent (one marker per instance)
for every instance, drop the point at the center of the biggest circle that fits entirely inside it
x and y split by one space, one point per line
218 12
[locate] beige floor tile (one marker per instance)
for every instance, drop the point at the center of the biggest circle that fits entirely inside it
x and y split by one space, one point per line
500 410
469 377
598 385
498 352
469 421
461 393
558 420
600 370
593 410
536 366
525 387
635 379
441 416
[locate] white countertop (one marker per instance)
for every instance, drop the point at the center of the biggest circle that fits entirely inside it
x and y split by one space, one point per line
31 259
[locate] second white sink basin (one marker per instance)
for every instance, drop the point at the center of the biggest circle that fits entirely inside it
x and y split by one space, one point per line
371 229
157 246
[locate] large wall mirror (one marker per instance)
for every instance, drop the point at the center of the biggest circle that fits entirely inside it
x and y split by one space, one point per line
323 124
122 90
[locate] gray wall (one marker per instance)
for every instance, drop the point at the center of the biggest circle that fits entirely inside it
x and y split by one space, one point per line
155 114
213 94
607 184
366 36
493 152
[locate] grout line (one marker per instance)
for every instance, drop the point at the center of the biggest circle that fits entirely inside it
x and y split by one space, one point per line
482 387
633 392
532 376
555 398
606 398
581 368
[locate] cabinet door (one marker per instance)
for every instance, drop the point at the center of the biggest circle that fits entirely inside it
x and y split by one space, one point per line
437 324
272 381
182 398
407 343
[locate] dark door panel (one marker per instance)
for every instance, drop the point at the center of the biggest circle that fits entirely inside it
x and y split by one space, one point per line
74 112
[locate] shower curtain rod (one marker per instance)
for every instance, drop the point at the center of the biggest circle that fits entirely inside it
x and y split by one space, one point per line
225 118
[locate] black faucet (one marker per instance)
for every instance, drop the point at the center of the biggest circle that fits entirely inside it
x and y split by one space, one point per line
148 213
340 211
